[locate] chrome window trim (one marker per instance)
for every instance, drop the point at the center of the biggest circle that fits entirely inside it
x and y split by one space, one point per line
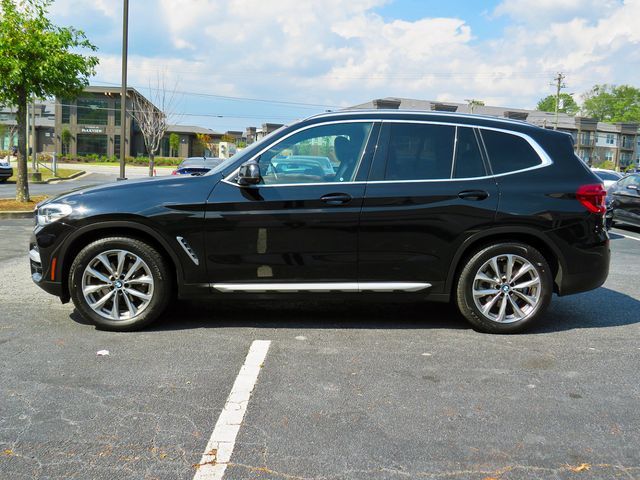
295 184
455 150
320 287
229 178
545 160
373 111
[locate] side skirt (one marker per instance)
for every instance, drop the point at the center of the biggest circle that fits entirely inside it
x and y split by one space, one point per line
351 287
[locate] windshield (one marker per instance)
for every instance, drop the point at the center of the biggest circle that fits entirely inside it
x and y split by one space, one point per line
250 150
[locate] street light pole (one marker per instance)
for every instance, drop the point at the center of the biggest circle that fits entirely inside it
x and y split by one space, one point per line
123 90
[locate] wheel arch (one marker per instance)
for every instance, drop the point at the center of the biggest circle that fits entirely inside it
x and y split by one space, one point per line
504 235
84 236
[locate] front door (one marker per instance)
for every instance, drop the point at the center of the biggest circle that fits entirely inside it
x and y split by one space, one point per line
298 227
429 185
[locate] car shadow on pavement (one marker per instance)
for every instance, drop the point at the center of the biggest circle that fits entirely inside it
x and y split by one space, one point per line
600 308
305 313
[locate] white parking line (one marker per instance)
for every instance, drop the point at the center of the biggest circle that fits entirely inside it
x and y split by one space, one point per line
220 447
627 236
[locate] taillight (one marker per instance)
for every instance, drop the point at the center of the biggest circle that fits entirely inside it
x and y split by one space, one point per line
592 197
175 172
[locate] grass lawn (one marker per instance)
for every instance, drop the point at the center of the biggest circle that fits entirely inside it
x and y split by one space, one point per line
47 174
10 204
116 164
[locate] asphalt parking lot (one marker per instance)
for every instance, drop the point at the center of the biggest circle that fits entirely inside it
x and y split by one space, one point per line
346 391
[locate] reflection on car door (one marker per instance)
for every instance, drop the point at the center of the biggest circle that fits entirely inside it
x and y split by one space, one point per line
297 225
419 201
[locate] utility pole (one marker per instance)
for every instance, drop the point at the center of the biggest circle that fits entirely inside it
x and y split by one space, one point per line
559 86
123 90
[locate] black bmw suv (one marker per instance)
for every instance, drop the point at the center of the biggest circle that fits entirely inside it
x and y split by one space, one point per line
494 214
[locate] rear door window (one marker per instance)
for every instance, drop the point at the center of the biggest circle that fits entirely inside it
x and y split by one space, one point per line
509 153
419 152
468 161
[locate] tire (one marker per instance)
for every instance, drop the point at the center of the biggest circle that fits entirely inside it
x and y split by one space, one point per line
505 309
142 289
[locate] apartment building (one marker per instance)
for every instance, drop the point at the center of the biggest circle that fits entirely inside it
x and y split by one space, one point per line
594 141
90 125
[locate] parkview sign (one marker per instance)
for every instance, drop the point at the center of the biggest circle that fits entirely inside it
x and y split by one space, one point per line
92 130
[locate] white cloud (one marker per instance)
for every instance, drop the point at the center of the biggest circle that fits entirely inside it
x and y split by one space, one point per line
549 11
342 53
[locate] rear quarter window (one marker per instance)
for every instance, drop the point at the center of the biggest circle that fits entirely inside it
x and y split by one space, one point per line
509 153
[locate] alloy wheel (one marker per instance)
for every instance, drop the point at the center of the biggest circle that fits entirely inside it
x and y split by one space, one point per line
117 285
507 288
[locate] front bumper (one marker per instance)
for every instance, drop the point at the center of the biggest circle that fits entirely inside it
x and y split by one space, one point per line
45 262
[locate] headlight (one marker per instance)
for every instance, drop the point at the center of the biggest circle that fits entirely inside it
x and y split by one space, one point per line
51 212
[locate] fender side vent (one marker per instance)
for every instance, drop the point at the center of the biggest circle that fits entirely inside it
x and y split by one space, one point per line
187 248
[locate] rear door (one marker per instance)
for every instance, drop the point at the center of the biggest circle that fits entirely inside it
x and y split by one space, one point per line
428 189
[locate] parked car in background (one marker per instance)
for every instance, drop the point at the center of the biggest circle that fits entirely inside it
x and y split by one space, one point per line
608 177
5 169
493 214
196 165
624 201
304 165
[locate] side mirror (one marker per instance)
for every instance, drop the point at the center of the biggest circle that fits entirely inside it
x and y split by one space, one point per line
249 173
632 187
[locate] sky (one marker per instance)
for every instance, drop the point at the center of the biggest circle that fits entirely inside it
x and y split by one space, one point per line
239 63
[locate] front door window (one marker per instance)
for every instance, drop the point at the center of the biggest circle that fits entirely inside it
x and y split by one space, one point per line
323 154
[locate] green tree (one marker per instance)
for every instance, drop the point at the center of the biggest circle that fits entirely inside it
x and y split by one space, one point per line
208 142
38 59
567 104
65 136
228 138
611 103
174 144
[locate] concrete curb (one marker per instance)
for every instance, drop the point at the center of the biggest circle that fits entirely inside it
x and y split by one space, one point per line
60 179
16 214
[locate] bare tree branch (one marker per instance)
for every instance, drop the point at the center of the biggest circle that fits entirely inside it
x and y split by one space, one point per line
155 115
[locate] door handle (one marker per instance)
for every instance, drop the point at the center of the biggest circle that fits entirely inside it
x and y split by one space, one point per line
473 195
336 198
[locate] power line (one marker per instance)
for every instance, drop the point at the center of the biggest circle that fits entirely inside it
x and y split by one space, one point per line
186 114
228 97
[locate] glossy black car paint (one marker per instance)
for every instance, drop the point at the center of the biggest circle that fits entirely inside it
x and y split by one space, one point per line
625 200
390 231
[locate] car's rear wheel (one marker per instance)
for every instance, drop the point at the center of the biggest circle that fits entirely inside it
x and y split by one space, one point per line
504 288
120 283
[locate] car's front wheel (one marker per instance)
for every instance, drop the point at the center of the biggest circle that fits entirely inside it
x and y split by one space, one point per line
120 283
504 288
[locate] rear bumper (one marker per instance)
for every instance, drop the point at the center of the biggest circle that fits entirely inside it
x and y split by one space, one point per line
585 264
